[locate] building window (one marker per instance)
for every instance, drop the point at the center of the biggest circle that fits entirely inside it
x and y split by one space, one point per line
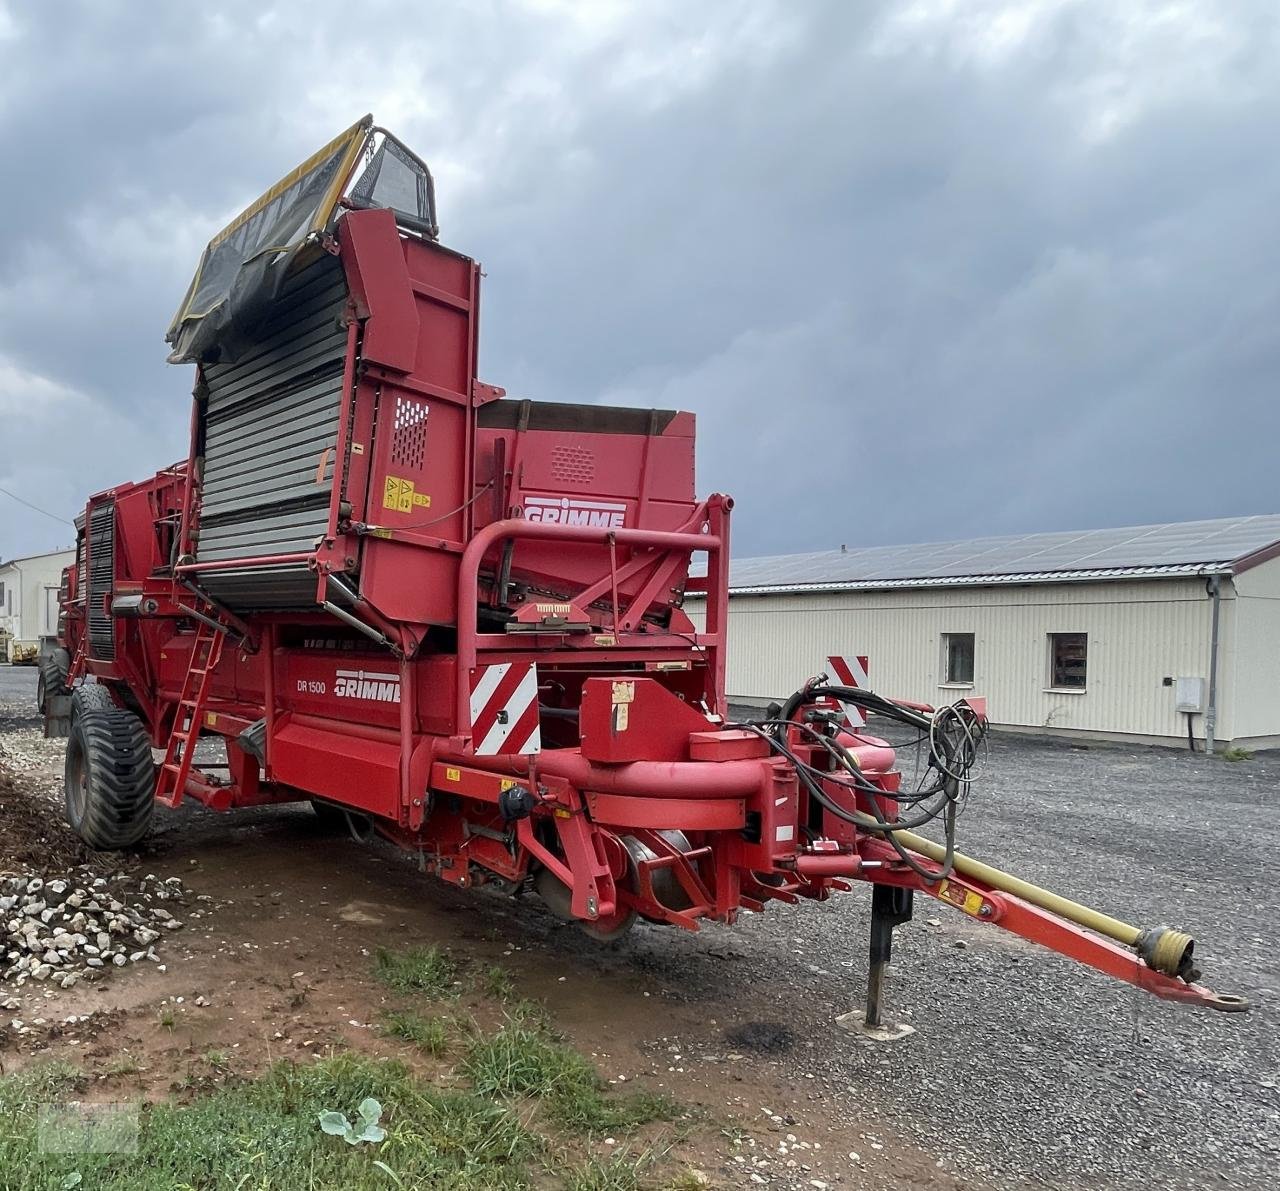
957 658
1068 656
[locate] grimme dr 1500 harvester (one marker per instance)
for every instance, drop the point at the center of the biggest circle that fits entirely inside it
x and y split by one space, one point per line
457 619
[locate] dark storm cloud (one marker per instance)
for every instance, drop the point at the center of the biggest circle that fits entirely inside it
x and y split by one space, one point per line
922 270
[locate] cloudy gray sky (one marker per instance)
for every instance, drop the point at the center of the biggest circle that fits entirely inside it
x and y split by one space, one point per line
926 269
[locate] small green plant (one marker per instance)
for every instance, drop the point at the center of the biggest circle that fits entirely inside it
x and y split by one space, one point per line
1236 754
498 984
617 1173
463 1024
215 1058
524 1060
428 970
168 1019
123 1064
426 1033
366 1127
531 1013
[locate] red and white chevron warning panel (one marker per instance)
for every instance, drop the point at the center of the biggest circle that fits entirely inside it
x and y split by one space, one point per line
504 709
851 671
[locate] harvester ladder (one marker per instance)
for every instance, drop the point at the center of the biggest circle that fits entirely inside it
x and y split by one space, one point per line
78 660
171 781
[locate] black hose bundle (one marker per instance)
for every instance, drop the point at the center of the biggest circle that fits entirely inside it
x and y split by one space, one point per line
954 734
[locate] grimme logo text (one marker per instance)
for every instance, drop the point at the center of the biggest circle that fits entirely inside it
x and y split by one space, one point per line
562 510
363 684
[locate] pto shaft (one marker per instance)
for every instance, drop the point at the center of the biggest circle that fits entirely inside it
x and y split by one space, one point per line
1161 948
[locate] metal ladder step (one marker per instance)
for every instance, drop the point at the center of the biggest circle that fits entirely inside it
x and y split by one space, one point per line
179 753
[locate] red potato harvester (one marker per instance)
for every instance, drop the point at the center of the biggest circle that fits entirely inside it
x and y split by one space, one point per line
457 618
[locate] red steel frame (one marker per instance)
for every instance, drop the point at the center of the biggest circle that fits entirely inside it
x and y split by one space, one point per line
644 802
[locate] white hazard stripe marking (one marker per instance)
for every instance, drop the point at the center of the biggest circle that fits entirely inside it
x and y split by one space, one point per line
851 671
486 684
506 723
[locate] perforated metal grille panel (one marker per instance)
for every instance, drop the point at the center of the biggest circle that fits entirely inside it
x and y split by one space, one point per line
409 437
573 465
271 429
101 580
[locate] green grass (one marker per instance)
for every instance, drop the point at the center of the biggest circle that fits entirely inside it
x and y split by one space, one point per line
530 1013
618 1173
524 1060
497 983
427 970
427 1033
1236 754
264 1133
123 1064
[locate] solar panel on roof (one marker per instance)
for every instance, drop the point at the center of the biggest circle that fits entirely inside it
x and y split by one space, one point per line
1209 542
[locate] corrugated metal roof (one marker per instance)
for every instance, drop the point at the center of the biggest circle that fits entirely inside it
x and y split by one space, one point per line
1133 552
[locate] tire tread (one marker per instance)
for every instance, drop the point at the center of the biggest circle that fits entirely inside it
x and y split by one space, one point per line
121 777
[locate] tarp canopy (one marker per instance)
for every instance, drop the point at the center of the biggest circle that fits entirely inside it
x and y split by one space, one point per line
244 264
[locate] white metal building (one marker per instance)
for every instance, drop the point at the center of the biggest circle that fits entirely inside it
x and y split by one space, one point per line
1085 633
29 595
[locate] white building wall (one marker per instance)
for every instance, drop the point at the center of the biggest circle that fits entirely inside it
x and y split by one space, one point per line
1254 671
10 599
1140 632
29 611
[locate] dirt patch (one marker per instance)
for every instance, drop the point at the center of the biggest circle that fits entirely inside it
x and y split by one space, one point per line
32 838
761 1037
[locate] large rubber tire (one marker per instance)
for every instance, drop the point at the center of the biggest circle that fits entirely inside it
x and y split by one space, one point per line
54 668
90 696
110 778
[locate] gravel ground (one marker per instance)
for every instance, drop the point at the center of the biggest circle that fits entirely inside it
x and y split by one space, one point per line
1025 1069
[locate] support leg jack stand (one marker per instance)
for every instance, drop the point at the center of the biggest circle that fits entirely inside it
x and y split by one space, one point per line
890 906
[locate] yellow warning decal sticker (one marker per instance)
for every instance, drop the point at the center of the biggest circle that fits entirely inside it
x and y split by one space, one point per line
399 495
453 775
506 783
624 692
963 899
211 719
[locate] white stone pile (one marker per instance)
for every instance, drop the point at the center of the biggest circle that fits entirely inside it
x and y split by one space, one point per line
65 929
